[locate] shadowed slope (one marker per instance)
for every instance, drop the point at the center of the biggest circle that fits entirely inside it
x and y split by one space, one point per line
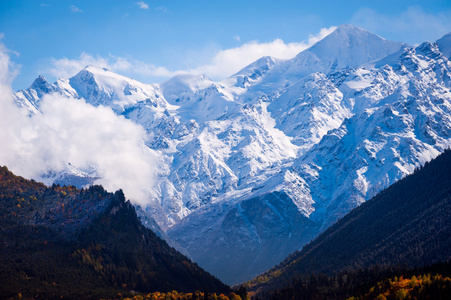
408 224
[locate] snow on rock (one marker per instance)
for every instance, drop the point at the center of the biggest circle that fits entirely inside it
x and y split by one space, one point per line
346 47
308 109
102 87
255 166
181 86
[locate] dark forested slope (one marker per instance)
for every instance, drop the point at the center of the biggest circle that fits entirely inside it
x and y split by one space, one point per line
64 242
407 224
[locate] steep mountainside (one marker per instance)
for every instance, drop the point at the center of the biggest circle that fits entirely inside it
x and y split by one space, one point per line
60 241
407 224
318 134
358 131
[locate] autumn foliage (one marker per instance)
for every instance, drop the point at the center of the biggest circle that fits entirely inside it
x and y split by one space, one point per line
425 286
63 242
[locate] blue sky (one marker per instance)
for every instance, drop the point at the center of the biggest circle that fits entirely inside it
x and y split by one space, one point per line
153 40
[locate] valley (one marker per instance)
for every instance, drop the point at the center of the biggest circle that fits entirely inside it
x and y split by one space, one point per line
335 160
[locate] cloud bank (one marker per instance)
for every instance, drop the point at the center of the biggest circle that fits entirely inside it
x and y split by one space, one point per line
223 63
72 131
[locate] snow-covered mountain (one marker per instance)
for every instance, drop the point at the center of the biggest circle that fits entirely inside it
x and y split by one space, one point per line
255 166
346 47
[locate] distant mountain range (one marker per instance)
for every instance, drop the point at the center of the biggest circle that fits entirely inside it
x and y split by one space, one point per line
84 244
406 225
257 165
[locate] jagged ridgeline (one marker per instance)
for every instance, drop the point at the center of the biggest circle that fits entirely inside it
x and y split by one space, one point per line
406 225
65 242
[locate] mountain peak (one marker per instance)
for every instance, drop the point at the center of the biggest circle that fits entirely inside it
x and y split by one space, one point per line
39 81
103 75
41 85
92 67
350 28
352 36
187 78
96 70
184 83
253 72
262 64
346 47
353 32
428 49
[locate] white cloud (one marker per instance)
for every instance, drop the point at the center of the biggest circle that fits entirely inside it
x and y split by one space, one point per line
237 38
8 69
10 116
229 61
65 67
142 5
75 9
72 131
412 25
223 63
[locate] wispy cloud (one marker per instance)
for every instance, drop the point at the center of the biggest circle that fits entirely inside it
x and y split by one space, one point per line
75 9
142 5
413 25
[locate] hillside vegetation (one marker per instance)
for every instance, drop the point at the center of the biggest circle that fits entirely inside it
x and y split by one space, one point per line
61 242
407 224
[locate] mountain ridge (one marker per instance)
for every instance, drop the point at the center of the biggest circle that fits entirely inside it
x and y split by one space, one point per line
60 241
406 224
325 140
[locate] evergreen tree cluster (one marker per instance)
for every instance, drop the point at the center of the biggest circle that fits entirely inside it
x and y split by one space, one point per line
61 242
429 282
